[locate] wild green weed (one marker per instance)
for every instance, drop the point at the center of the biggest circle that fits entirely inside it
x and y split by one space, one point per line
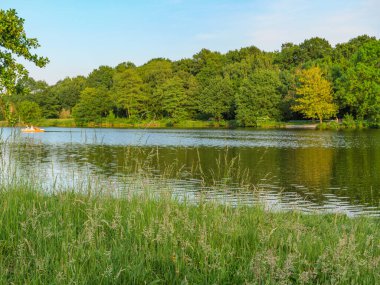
66 237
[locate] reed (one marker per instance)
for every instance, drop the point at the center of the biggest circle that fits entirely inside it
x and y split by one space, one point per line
68 237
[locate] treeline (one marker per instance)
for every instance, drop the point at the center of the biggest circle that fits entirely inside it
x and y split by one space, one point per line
309 80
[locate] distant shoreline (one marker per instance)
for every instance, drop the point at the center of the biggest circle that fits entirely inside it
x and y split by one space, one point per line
196 124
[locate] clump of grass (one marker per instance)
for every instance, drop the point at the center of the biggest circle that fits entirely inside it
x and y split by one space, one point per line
269 124
329 126
348 121
82 238
163 123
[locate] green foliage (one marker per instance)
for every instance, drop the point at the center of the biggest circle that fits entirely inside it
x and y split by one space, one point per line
332 125
154 74
314 95
128 92
68 91
175 100
208 64
288 91
249 86
28 89
259 97
29 112
289 57
311 50
348 121
15 43
8 111
343 52
94 104
216 97
111 118
101 78
68 237
27 86
359 86
156 71
315 48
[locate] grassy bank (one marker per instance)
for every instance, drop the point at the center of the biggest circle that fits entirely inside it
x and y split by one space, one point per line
68 238
165 123
188 124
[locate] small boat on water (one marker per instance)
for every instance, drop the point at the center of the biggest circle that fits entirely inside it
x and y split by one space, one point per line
32 129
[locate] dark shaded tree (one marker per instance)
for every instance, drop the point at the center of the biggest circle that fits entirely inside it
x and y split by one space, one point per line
359 86
101 77
155 73
94 104
68 91
216 98
29 112
128 92
259 97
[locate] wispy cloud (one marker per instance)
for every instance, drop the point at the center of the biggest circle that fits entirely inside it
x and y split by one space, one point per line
300 19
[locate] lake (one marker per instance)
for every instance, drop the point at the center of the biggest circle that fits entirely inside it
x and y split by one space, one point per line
306 170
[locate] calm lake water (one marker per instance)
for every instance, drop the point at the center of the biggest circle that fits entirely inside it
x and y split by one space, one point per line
307 170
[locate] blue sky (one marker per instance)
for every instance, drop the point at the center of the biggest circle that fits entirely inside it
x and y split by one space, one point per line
80 35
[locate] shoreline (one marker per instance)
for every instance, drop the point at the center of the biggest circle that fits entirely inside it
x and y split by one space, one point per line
197 124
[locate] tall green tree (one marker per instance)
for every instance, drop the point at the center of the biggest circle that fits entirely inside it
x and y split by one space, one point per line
342 60
29 112
101 77
259 97
343 52
191 86
315 48
314 95
288 91
216 98
174 99
128 92
68 90
291 56
359 86
243 53
94 104
154 74
28 89
14 43
208 64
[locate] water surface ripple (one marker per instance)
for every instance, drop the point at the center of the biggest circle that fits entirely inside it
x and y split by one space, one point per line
306 170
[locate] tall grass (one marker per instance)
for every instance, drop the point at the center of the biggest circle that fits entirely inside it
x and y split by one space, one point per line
129 123
81 238
163 123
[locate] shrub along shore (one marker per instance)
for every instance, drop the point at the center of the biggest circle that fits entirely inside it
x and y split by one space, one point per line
79 238
232 124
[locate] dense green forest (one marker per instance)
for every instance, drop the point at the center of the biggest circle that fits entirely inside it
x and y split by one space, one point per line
312 79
